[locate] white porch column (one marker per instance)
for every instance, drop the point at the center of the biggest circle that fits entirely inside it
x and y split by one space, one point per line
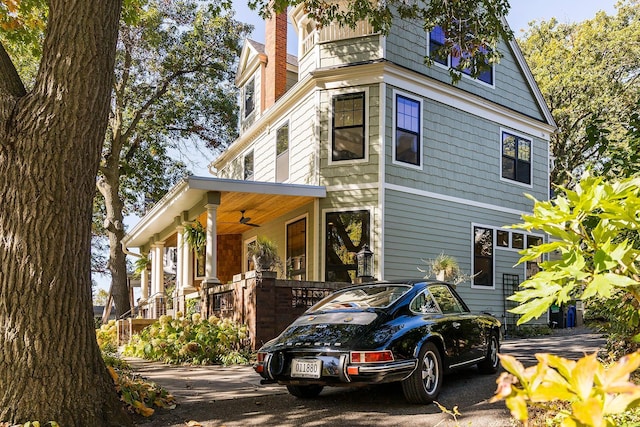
211 263
144 284
187 265
158 268
180 283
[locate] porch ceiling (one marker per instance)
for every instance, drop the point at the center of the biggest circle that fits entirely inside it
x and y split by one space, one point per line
261 201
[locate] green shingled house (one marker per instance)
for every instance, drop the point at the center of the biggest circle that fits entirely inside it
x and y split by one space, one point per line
356 141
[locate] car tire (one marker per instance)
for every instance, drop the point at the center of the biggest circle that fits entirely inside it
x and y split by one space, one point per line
491 362
423 385
305 391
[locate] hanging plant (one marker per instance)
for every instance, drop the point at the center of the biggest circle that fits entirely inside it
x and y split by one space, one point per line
195 236
140 265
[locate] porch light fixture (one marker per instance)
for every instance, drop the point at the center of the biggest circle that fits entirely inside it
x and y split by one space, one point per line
365 263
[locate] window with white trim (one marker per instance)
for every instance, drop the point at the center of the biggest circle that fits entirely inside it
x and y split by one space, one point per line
408 142
282 153
437 40
516 158
483 256
348 127
248 166
249 92
297 250
346 234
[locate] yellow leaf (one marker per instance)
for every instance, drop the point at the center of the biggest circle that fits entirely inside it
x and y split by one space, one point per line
194 424
619 372
582 376
616 404
549 392
518 407
512 365
589 412
113 373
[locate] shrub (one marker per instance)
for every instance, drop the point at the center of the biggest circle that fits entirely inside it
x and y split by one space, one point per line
191 340
107 336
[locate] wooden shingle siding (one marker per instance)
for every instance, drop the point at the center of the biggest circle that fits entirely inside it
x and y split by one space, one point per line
348 172
419 227
462 158
349 51
407 46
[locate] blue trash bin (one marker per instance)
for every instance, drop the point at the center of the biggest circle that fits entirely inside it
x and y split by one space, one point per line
571 316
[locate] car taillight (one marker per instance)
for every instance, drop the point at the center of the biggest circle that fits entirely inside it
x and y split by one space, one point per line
371 356
261 357
259 366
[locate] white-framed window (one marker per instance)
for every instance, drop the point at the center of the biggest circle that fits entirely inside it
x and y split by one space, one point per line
348 127
248 166
249 94
296 249
487 240
346 232
483 257
282 153
248 261
437 39
407 136
516 156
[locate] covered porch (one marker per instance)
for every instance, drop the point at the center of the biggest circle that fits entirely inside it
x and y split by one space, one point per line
222 207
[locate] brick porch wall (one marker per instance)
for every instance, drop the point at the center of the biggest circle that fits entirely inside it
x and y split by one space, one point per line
266 305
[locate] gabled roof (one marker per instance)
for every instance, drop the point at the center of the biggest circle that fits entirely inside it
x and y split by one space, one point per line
522 62
252 54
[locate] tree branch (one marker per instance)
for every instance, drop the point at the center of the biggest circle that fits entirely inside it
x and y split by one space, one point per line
10 82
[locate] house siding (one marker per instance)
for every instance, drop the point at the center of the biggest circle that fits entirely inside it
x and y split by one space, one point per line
407 46
350 51
420 228
348 172
461 157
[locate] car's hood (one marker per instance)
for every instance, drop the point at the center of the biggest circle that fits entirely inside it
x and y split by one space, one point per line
336 329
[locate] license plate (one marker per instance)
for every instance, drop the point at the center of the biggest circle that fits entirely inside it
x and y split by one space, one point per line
306 368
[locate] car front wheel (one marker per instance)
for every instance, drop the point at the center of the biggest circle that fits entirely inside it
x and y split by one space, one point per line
305 391
491 362
423 385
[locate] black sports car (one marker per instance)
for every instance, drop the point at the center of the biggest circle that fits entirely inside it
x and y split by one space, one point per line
411 331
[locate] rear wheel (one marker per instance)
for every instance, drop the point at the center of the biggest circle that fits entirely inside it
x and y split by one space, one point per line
424 383
305 391
491 362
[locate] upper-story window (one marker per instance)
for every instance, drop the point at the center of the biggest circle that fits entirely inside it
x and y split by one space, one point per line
516 158
248 166
282 153
437 39
348 127
408 142
249 97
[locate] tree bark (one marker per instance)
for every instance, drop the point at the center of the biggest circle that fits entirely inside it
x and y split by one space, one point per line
50 145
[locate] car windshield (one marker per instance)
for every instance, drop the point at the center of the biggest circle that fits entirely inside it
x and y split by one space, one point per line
372 296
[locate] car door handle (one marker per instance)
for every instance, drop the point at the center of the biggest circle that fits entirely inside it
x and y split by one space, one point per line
456 325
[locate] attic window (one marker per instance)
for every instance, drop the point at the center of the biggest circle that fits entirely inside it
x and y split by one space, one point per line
249 97
437 39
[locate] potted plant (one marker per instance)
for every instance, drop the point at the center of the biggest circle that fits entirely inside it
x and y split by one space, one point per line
445 268
264 254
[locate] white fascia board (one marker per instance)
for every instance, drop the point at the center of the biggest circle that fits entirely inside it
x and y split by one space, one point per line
239 186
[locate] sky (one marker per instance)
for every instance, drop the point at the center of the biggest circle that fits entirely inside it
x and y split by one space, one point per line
522 12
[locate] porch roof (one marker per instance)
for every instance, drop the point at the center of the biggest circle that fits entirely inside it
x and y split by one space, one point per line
262 201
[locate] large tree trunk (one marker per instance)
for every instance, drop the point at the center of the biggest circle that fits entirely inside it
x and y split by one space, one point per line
50 144
108 185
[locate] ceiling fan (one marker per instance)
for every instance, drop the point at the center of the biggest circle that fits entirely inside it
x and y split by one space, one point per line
245 220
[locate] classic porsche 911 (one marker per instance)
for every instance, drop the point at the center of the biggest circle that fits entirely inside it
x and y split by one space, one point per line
412 332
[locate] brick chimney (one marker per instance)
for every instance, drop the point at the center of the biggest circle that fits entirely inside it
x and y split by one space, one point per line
275 76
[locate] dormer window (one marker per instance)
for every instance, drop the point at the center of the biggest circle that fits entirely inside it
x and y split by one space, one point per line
437 39
249 97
